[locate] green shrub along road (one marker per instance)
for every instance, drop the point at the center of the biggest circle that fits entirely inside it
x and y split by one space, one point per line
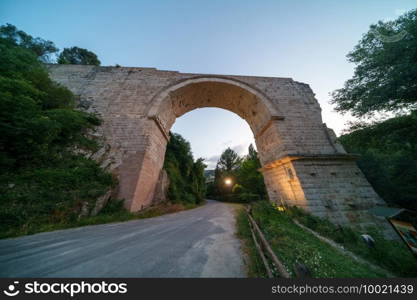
46 179
292 245
392 255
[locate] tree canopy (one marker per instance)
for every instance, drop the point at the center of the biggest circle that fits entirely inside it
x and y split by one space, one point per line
78 56
388 157
46 50
229 161
247 182
385 76
186 176
248 175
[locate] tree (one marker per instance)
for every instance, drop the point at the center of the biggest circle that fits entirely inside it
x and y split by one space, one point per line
198 180
78 56
247 182
226 166
41 48
386 69
248 176
44 178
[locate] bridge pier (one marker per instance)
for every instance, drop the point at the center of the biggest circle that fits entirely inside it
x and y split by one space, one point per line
329 186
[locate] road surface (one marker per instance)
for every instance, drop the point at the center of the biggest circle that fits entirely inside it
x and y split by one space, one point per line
196 243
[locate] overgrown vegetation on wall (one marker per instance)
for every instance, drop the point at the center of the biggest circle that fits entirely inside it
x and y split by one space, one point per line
385 81
294 245
237 179
44 178
187 182
388 157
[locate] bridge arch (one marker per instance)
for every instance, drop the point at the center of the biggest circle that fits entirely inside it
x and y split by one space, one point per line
165 93
302 162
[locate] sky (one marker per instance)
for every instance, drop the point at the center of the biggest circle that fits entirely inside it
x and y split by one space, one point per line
305 40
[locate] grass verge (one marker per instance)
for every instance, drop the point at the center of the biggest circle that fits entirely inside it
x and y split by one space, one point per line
294 245
391 255
107 215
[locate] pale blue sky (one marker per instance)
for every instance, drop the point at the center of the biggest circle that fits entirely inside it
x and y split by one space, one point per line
305 40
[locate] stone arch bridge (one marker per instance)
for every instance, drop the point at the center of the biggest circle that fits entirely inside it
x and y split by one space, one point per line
302 162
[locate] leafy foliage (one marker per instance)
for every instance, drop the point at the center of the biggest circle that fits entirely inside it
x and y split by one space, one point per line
78 56
248 175
187 181
388 157
254 265
386 69
44 178
41 48
247 182
229 161
392 255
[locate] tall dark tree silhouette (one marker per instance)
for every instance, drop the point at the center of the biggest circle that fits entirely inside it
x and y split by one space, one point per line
229 161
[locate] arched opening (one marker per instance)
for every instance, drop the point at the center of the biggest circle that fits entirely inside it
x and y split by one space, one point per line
211 130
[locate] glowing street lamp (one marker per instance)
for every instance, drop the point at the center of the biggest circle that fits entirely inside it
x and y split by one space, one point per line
228 181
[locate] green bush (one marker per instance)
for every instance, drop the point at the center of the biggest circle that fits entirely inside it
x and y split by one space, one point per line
254 265
248 197
187 182
292 245
113 206
392 255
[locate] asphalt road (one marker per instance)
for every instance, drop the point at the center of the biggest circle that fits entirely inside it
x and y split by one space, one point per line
196 243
